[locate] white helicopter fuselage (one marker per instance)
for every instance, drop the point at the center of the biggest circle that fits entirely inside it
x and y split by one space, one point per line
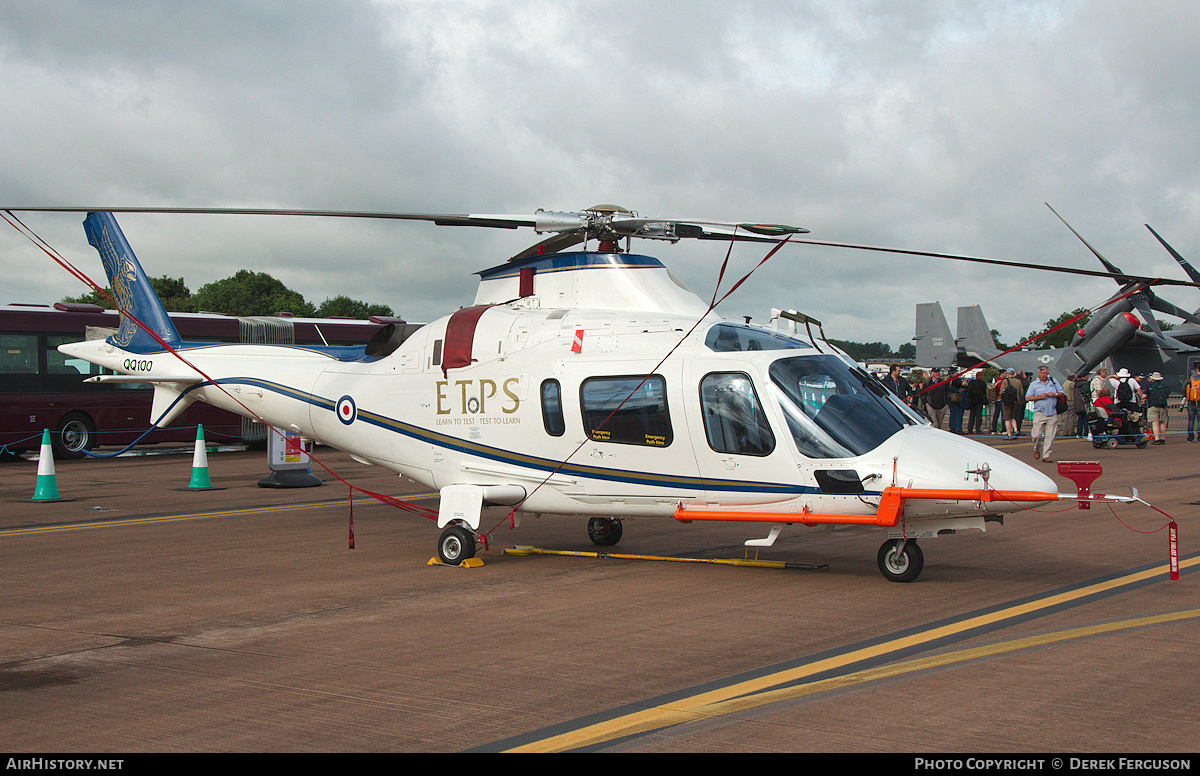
554 393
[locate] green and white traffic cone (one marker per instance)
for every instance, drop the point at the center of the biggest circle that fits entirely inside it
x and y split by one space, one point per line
47 486
200 480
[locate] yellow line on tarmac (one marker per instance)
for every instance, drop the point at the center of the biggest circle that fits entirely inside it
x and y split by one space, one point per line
730 698
135 521
937 661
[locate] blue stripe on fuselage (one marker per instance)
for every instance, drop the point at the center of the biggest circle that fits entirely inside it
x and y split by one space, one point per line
527 461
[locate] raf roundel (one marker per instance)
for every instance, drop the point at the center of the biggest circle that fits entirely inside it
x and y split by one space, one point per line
346 411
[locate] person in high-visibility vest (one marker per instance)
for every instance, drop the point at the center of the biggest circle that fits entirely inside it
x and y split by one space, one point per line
1192 400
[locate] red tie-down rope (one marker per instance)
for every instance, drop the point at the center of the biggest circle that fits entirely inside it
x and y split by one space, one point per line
80 275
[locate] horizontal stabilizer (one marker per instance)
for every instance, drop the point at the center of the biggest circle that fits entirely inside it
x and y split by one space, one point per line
169 400
182 380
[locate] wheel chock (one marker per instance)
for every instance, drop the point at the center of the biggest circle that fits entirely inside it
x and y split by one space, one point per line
469 563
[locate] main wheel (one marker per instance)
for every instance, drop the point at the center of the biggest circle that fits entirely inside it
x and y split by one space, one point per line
456 545
605 531
900 566
76 432
1113 443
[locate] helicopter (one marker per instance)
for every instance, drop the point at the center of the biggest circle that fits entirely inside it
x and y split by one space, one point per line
591 384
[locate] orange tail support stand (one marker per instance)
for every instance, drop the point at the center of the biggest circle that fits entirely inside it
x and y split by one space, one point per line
891 506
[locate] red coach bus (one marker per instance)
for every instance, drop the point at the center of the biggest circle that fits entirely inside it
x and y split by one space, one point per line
41 388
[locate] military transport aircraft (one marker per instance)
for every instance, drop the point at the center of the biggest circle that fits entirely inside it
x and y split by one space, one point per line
553 393
1113 333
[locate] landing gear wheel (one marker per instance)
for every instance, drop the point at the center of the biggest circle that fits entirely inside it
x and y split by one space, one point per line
899 566
1113 443
456 545
605 531
1141 445
1097 445
76 432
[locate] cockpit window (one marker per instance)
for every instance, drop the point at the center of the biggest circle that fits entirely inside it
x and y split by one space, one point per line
834 409
733 417
727 337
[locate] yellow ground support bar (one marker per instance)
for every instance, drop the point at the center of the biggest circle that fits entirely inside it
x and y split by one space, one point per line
762 564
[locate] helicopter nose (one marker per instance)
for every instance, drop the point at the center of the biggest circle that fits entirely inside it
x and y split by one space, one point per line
929 458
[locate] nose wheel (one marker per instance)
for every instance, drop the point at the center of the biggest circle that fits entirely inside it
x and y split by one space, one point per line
901 560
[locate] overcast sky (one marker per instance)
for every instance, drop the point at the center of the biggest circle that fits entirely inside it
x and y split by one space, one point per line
939 126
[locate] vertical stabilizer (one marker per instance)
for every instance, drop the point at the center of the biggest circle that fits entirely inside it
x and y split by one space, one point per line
935 344
973 332
130 287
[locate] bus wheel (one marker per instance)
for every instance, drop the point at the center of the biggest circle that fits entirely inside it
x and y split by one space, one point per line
76 433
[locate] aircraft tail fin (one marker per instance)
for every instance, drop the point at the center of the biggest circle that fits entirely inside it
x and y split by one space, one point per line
973 331
935 344
130 287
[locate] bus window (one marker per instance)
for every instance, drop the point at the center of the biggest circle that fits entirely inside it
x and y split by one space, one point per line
58 364
18 354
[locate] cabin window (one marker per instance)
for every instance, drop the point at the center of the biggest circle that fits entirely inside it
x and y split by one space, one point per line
626 410
552 413
733 417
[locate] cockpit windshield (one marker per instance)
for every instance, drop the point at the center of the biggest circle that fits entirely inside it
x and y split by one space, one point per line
834 409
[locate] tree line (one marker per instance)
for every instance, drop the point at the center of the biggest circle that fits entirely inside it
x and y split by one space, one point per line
246 293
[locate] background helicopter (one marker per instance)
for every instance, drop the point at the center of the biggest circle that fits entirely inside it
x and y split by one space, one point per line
592 383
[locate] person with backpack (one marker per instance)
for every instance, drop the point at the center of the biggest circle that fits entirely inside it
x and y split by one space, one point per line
1011 396
1191 397
1082 400
934 393
1156 407
1044 392
1127 392
977 394
997 422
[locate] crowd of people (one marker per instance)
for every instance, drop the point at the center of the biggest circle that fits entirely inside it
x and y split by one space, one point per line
998 406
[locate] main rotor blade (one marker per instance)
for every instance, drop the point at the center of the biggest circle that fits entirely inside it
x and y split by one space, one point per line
1143 307
441 219
1108 264
1163 306
999 262
1187 267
